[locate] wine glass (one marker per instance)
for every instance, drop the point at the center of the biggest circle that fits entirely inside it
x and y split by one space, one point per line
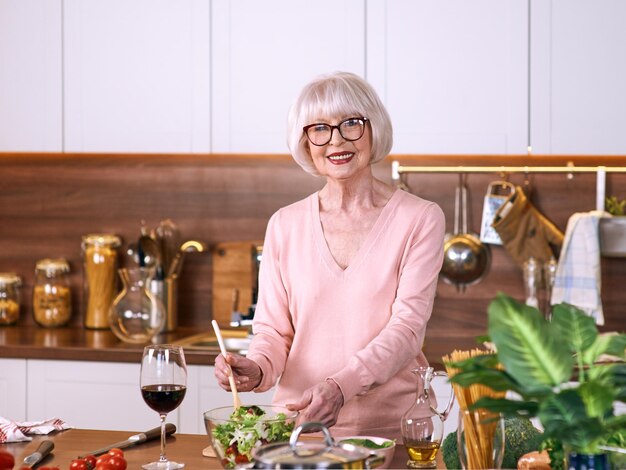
163 385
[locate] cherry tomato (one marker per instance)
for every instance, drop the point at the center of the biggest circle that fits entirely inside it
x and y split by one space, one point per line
116 451
91 461
106 465
79 464
7 461
104 458
241 459
117 463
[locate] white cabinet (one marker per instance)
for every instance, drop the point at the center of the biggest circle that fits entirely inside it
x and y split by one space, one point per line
13 389
104 395
89 395
30 75
454 75
578 74
262 55
136 76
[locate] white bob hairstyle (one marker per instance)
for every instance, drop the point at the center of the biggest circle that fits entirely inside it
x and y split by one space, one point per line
337 95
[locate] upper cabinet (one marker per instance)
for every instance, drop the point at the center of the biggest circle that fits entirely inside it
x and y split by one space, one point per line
480 77
578 77
263 53
454 75
31 76
137 76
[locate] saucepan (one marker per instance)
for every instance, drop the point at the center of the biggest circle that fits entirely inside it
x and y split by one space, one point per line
466 259
314 454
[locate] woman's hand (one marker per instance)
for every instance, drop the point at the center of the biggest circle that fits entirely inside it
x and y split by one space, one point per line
247 373
320 403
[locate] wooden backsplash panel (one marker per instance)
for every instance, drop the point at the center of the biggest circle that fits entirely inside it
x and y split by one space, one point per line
49 201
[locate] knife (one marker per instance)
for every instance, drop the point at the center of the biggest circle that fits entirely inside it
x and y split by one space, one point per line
42 451
133 440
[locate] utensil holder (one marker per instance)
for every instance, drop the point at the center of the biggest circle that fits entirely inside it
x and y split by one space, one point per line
167 291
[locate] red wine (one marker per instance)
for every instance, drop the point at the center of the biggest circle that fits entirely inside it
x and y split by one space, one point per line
163 398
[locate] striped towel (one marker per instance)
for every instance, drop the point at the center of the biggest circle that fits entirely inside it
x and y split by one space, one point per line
578 278
11 431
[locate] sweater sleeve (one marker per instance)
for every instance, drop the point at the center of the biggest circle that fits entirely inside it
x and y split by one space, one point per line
401 340
272 327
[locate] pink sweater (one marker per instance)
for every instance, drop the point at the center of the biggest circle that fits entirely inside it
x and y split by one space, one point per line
363 326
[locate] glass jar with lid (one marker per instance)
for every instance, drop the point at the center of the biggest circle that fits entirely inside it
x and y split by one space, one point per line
52 301
100 277
9 298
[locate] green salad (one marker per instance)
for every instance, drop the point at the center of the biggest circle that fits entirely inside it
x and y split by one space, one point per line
247 430
368 443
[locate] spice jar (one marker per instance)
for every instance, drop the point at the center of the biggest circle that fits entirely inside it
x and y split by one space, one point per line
100 278
52 304
9 298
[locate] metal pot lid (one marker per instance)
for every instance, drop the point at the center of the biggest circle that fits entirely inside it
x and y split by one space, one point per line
314 454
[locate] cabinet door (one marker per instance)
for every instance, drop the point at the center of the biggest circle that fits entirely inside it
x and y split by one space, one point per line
30 75
90 395
263 53
453 74
13 389
136 76
205 394
578 79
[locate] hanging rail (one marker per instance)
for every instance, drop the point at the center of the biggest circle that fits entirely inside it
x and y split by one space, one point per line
397 169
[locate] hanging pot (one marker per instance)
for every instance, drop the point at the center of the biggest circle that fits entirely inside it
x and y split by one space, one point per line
466 259
314 454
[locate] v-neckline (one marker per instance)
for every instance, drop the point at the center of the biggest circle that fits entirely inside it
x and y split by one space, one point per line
366 246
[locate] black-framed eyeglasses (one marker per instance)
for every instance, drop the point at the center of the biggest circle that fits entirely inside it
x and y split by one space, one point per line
350 129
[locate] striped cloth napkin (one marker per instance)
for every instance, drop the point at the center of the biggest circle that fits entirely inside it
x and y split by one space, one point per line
10 431
578 280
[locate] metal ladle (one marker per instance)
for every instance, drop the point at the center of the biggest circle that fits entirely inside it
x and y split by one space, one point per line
466 259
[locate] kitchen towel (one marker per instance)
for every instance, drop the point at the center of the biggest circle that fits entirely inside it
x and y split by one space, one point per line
578 280
10 431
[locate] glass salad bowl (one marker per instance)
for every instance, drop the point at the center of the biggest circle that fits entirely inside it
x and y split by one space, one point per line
236 433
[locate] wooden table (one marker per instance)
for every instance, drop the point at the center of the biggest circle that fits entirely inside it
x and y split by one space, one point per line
186 448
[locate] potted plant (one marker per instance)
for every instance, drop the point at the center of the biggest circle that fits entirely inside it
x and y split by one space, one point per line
613 229
557 372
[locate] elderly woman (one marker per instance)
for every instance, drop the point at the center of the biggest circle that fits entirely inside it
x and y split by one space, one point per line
348 275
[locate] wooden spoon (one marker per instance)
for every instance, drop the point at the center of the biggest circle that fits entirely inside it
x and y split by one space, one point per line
231 379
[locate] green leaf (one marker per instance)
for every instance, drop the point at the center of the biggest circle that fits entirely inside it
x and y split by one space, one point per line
495 379
611 376
527 345
612 344
597 398
526 409
564 418
575 327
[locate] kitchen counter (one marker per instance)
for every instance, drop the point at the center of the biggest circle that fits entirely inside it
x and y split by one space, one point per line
74 343
186 448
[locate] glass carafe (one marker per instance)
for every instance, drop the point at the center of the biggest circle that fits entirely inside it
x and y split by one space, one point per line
136 314
422 424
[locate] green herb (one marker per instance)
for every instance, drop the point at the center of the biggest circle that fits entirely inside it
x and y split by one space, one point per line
368 443
614 206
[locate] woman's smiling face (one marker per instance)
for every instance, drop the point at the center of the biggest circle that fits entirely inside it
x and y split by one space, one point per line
341 158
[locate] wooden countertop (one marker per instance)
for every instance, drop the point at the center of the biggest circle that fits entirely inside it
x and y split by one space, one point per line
185 448
72 343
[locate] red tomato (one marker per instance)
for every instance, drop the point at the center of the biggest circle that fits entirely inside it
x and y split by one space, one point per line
104 458
6 460
105 466
116 451
117 463
91 461
79 464
241 459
